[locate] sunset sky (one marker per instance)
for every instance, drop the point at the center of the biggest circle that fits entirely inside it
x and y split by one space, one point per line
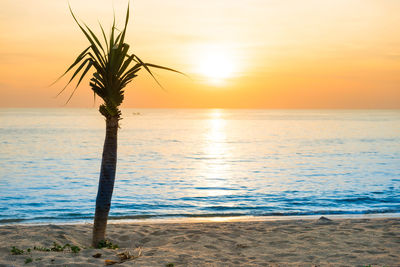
239 54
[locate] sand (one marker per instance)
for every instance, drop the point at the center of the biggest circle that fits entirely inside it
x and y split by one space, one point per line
340 242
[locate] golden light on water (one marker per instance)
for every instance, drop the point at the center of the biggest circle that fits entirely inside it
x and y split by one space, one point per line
215 150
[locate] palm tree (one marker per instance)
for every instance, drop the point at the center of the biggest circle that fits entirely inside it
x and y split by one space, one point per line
114 68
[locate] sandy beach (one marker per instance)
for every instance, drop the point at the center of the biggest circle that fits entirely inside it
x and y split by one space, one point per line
305 242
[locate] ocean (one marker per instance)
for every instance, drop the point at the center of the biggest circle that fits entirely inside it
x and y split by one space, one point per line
200 162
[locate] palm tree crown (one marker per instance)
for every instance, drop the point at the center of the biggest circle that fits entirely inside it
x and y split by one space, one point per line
113 66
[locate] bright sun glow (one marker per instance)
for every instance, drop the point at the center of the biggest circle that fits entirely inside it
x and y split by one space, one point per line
216 65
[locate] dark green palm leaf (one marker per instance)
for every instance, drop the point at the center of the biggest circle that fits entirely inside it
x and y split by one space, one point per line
126 24
164 68
126 64
75 73
77 60
149 71
104 36
96 39
80 79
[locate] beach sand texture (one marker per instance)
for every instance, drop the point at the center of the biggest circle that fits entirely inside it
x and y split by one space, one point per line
340 242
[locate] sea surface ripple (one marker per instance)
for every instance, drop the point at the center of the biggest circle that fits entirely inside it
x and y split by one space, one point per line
193 163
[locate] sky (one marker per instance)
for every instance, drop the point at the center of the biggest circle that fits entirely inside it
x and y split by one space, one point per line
272 54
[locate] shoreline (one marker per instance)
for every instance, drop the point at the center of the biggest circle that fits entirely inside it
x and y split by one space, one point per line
201 219
300 242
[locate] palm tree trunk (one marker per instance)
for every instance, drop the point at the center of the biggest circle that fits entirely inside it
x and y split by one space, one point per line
106 181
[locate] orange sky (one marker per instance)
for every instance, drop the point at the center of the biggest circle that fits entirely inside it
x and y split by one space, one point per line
276 54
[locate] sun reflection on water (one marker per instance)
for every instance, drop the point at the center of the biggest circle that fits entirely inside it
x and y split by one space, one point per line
215 169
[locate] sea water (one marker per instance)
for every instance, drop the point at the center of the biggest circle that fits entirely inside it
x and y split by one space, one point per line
205 162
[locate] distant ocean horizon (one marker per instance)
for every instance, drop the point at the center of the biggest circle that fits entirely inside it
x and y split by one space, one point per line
177 163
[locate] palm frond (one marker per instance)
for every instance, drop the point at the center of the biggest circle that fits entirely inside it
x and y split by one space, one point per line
80 79
77 60
104 36
126 24
75 73
149 71
96 40
164 68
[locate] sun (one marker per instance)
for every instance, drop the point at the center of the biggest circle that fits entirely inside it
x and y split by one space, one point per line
215 65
